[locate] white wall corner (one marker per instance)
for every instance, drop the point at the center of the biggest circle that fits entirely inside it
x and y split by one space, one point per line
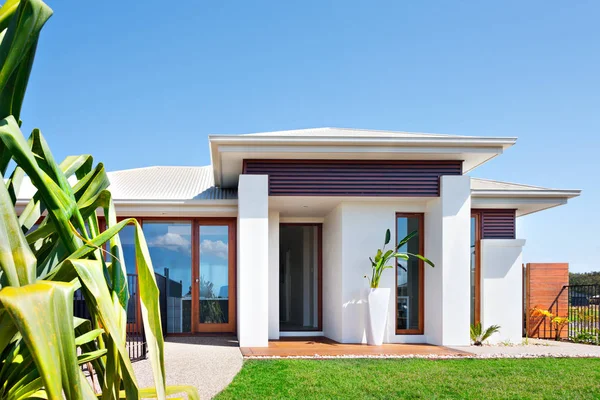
253 261
332 275
455 196
273 275
501 288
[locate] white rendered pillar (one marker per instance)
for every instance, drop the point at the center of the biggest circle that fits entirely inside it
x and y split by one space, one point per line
447 243
253 261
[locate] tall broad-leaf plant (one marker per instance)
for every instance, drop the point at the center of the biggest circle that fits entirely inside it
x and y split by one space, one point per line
42 344
383 257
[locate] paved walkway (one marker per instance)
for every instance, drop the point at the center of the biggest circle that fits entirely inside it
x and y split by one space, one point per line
209 363
534 348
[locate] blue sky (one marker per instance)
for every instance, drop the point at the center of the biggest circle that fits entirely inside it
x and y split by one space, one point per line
144 83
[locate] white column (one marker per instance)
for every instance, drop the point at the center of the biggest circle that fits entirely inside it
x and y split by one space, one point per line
253 261
447 241
273 275
502 288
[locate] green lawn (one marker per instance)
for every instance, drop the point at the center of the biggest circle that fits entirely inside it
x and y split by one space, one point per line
388 379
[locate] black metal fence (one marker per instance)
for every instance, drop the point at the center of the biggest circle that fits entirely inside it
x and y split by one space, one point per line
136 341
584 313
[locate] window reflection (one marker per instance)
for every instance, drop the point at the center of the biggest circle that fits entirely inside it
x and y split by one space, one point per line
408 275
214 274
473 265
170 248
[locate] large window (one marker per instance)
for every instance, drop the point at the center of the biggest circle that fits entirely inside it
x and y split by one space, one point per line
409 276
170 246
214 274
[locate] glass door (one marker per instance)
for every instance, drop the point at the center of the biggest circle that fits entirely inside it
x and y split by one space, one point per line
300 276
214 276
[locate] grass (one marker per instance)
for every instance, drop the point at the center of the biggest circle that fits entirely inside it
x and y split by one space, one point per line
542 378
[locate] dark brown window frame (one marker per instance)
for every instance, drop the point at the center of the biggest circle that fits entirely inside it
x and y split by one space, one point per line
196 222
421 237
477 308
319 226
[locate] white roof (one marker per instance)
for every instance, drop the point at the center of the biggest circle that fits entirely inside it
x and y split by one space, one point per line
491 187
167 183
229 151
156 183
349 133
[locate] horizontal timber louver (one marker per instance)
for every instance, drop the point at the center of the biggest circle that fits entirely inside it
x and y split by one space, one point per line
353 177
498 224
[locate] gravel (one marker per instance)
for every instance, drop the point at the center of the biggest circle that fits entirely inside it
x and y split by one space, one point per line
208 363
533 348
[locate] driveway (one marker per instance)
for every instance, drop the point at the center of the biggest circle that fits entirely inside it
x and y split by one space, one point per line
208 363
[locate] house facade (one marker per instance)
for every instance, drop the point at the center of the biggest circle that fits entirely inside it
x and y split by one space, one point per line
273 239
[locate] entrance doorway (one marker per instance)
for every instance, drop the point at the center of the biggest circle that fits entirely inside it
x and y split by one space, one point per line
300 277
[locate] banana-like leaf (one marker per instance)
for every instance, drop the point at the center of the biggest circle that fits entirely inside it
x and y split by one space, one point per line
78 165
16 258
191 392
43 312
420 257
406 239
17 50
61 206
100 304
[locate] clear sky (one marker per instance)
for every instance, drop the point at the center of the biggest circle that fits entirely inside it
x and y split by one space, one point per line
142 83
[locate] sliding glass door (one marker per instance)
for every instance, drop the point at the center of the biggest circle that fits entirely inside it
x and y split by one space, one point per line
194 267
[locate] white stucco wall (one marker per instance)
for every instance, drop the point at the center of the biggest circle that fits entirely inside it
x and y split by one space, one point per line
501 288
332 274
253 261
363 231
273 275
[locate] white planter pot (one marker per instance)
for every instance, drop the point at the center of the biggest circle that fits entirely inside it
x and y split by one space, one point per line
378 303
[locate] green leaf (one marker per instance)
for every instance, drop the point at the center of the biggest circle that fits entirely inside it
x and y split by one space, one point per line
43 313
191 392
420 257
91 356
61 207
378 255
17 50
100 304
402 256
388 236
387 255
406 239
16 258
88 336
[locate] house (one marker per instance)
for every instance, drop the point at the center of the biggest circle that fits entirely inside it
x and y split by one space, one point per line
274 237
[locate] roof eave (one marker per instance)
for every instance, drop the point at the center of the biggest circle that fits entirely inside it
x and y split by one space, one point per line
503 142
538 193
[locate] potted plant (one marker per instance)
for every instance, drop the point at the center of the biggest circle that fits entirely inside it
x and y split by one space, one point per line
378 298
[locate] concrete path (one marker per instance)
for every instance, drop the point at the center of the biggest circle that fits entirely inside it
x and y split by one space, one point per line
209 363
534 348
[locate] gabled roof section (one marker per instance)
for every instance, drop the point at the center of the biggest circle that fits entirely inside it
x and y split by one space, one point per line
229 151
